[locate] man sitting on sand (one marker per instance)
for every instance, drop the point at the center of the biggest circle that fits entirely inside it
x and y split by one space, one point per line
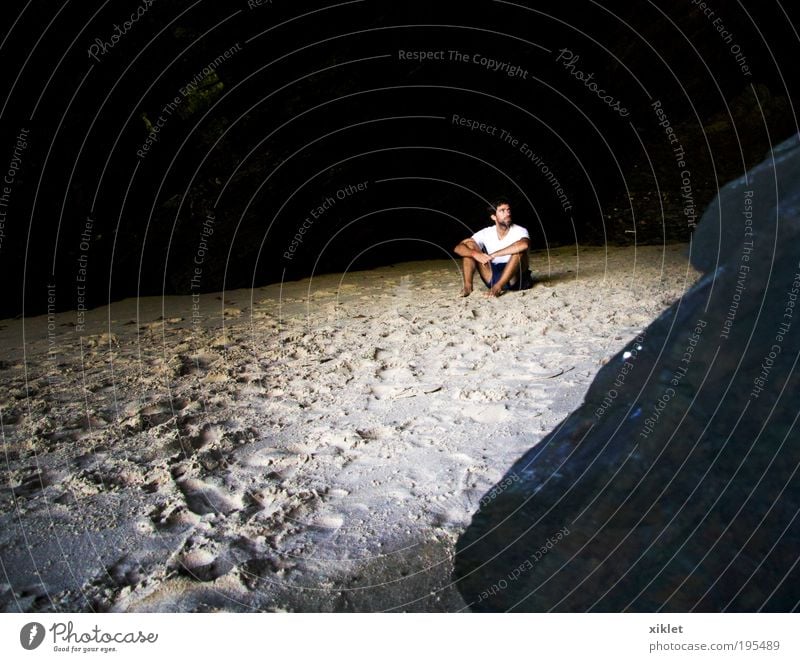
499 253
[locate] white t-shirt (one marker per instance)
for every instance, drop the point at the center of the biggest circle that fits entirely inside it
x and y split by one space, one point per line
488 240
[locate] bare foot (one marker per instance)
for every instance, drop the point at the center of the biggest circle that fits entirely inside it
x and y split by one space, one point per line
465 292
493 292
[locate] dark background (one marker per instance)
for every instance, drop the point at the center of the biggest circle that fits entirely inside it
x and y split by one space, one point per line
317 99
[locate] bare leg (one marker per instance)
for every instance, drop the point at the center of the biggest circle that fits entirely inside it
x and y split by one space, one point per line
470 265
510 275
524 267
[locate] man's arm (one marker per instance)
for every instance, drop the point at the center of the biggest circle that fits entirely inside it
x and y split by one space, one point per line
469 248
519 246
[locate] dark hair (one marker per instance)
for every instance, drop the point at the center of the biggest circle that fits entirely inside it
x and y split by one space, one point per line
494 204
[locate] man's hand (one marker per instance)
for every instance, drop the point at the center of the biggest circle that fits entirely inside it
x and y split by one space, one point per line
483 258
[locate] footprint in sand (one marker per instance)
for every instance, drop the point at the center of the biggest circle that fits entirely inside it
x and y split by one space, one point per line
202 561
278 464
328 522
208 436
488 413
38 481
126 571
449 518
395 380
173 518
380 392
161 412
396 374
203 498
184 365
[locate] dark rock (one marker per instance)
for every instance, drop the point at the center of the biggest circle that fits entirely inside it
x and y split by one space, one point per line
770 192
675 485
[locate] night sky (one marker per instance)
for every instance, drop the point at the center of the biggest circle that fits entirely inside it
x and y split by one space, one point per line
159 147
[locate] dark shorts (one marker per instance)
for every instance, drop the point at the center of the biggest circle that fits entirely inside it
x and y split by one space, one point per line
524 281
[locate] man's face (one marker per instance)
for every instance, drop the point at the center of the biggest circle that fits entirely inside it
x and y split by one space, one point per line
502 216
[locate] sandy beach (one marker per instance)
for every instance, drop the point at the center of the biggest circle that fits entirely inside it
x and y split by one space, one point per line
311 446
